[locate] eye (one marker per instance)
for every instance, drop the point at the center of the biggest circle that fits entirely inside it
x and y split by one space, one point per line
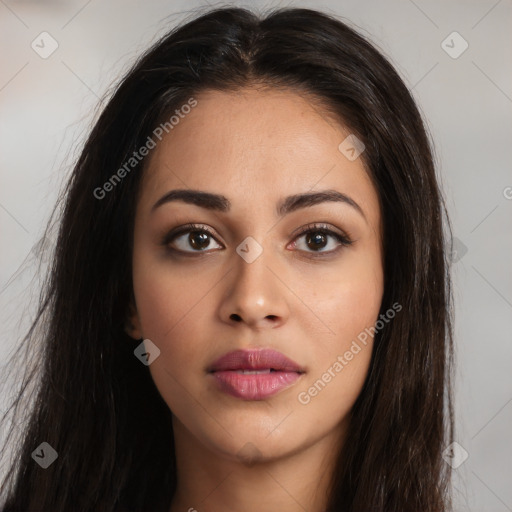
193 236
316 239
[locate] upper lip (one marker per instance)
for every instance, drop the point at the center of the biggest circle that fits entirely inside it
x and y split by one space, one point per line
260 359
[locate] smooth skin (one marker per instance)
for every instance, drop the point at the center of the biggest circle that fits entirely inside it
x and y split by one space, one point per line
306 296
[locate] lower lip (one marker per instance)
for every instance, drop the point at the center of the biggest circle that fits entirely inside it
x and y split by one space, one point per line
254 386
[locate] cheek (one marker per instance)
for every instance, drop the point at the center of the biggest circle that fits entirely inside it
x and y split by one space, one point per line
170 308
357 307
175 305
171 316
346 300
340 360
167 293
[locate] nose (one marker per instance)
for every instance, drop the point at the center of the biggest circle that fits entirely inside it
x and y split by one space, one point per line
254 295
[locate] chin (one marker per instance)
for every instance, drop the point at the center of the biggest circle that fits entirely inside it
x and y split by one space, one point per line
252 445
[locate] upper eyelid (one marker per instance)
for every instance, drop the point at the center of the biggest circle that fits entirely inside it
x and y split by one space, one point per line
320 226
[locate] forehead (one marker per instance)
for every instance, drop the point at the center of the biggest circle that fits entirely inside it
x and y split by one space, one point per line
254 146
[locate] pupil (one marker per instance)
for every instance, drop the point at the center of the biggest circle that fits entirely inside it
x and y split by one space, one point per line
318 238
198 239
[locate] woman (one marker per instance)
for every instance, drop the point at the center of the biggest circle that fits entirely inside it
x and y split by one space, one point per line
249 306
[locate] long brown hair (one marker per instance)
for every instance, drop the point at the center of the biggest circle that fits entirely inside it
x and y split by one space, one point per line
98 407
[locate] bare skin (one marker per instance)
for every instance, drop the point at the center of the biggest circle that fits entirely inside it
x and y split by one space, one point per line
256 147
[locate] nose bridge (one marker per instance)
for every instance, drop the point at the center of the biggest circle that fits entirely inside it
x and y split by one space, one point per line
254 293
251 277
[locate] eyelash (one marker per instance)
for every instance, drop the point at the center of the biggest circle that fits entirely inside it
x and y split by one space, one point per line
343 240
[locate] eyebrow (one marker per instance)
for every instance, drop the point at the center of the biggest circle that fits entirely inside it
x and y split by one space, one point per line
220 203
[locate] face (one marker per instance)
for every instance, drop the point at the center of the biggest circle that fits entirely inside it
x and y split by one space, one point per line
260 270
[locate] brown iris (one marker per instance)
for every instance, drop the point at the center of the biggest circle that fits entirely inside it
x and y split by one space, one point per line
315 239
199 239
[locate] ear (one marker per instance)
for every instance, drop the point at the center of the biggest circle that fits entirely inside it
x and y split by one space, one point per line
132 325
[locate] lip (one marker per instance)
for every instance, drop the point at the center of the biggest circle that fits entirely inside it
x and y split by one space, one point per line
277 373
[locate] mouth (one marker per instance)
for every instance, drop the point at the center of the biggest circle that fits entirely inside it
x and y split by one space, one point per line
254 374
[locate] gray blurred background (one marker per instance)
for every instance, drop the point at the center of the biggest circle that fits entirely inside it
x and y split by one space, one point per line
58 58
